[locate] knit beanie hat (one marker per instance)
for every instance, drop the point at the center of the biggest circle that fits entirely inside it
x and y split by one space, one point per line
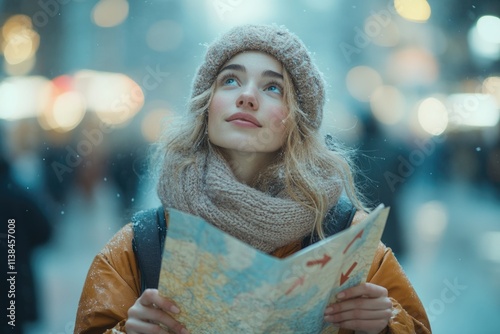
278 42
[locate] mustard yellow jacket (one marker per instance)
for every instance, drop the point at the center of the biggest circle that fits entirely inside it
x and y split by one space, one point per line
113 285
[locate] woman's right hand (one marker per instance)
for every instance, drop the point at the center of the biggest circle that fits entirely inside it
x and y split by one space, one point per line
149 311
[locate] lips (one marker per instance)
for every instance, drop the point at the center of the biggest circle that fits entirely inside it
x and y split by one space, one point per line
244 117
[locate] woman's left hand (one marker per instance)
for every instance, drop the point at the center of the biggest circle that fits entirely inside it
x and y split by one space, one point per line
365 308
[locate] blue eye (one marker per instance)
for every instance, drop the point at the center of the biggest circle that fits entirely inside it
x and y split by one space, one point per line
275 88
230 81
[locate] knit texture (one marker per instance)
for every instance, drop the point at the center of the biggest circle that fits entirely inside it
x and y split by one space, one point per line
207 188
278 42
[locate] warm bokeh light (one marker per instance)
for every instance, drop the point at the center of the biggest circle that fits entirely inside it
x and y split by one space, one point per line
23 97
385 34
431 221
361 81
413 10
18 49
413 66
110 13
388 105
19 69
477 110
114 97
68 110
164 35
488 28
491 85
156 121
20 41
15 24
432 116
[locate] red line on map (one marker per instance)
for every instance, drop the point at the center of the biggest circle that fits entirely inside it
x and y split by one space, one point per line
345 277
322 261
299 281
352 241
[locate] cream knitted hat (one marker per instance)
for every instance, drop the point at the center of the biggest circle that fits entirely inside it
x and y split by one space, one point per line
278 42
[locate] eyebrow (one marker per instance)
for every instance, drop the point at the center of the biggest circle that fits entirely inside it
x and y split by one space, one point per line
241 68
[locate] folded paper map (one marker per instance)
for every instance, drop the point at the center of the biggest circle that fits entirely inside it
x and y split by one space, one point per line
223 285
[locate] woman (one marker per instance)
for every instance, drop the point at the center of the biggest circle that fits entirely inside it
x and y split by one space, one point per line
249 153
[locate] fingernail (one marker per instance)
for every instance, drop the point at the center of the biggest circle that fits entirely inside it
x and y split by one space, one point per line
340 295
174 309
329 310
184 331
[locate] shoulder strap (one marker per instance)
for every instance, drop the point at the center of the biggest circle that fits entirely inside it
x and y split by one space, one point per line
150 230
337 219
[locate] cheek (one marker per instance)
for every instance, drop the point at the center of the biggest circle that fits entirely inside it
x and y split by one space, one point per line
278 117
215 110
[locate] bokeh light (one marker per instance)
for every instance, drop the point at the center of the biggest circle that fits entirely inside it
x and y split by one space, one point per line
488 28
22 68
66 113
412 66
388 105
362 81
155 122
432 116
491 85
110 13
413 10
19 44
484 38
476 110
14 91
114 97
431 221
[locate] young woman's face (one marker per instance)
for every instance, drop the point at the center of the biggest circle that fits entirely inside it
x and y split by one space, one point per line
247 110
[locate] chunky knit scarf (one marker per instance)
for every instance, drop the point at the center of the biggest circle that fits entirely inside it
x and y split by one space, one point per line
208 188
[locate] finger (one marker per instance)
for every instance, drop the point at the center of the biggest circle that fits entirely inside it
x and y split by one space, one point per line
365 289
150 314
360 304
359 315
151 298
134 326
363 325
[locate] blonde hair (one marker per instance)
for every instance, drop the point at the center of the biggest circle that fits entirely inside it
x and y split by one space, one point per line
303 160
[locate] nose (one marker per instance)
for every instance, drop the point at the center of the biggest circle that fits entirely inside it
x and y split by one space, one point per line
248 99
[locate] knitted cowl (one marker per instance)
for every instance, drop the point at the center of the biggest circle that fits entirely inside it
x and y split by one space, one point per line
207 188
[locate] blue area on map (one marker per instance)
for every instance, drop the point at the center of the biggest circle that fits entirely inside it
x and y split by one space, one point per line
193 229
251 277
296 300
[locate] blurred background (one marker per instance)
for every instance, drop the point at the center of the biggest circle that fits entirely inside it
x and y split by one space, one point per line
414 86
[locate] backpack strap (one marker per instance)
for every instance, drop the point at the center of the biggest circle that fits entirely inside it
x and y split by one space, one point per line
150 230
338 218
